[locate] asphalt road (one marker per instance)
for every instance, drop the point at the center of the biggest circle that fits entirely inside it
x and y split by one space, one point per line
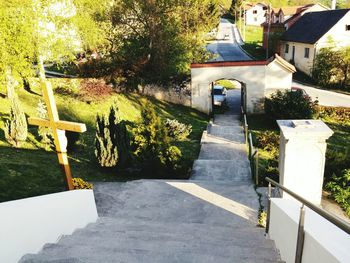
325 97
227 49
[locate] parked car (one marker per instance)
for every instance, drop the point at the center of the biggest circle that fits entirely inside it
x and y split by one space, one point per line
219 93
305 95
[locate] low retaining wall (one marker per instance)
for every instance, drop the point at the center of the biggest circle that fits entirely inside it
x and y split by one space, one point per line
176 95
324 242
27 224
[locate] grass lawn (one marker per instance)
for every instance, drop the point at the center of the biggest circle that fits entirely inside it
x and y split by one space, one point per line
253 41
228 84
30 170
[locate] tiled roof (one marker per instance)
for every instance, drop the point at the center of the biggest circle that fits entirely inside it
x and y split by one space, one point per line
312 26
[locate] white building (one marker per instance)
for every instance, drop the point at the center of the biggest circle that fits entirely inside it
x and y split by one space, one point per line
301 42
256 14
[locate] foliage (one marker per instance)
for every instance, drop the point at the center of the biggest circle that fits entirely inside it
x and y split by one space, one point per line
262 219
112 140
268 140
79 183
152 143
290 105
332 67
155 40
340 189
177 130
340 114
93 90
16 41
16 128
45 133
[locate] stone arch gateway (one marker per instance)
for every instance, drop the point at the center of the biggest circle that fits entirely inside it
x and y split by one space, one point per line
261 78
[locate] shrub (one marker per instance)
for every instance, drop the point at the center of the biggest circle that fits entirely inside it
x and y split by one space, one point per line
268 140
289 105
72 140
112 143
79 183
340 114
340 189
152 143
16 129
178 130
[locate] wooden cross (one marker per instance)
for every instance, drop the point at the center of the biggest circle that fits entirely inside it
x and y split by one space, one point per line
58 129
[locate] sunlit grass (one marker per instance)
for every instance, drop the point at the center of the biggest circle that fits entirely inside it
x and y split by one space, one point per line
30 170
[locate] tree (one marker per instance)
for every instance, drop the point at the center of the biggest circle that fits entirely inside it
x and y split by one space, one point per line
16 42
159 39
332 66
16 128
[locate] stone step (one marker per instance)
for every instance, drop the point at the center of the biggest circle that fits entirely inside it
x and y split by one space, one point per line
221 170
227 120
224 151
231 133
209 138
137 256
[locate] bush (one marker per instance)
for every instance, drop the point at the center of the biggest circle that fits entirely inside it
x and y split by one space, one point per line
178 130
79 183
16 129
340 189
290 105
152 143
268 140
112 142
340 114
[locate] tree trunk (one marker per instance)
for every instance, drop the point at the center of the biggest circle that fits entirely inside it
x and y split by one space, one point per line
10 84
42 76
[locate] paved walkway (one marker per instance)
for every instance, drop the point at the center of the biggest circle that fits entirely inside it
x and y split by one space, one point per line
228 49
210 218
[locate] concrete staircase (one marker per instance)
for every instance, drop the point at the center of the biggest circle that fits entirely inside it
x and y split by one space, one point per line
210 218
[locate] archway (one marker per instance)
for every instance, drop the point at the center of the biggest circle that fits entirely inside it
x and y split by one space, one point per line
260 78
235 96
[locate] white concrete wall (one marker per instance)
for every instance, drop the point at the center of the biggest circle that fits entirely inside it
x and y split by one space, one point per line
324 242
277 79
27 224
258 18
252 76
300 62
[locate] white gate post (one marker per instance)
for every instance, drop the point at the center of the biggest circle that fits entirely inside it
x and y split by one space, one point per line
302 157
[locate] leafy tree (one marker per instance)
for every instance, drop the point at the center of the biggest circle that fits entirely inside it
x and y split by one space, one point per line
16 42
332 66
159 39
16 128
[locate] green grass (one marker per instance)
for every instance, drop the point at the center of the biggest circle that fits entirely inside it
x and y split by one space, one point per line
30 170
228 84
253 41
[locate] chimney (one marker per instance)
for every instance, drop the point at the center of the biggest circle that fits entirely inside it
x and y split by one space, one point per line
334 3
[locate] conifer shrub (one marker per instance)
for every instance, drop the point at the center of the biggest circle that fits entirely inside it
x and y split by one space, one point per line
112 141
16 128
178 130
290 105
152 143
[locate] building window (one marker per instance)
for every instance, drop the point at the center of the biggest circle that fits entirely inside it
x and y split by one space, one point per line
286 49
255 19
307 52
255 11
347 27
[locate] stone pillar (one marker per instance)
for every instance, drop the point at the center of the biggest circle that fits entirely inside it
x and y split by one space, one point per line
302 157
